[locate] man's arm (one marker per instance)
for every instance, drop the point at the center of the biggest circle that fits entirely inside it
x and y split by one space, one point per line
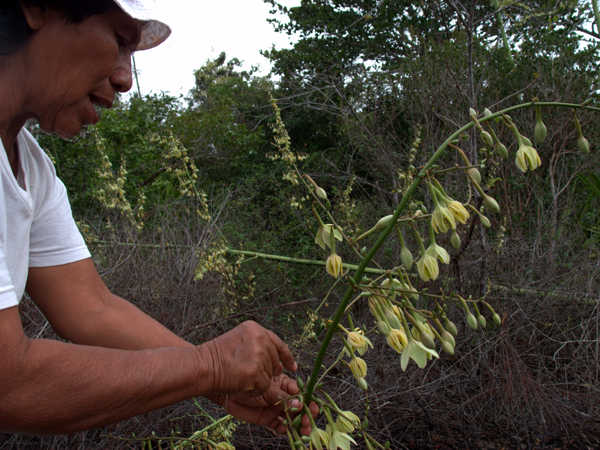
53 387
81 309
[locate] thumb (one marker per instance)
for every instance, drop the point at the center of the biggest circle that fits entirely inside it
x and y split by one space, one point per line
279 398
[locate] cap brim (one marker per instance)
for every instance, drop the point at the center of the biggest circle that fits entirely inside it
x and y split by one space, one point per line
154 33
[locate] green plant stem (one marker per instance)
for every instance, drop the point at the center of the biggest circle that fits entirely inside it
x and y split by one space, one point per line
299 260
596 14
388 229
503 31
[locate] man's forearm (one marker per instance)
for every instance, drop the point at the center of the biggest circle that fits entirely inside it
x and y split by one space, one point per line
122 325
63 388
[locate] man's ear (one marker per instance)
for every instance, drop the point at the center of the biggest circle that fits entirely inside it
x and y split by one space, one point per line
35 16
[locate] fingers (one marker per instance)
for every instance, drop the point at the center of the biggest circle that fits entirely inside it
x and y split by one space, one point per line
284 353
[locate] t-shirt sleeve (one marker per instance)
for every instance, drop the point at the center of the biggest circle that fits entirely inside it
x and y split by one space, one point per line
8 296
55 238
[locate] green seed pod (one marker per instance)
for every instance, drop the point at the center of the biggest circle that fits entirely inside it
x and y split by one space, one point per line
298 444
363 251
491 204
455 239
487 113
487 138
451 328
387 445
362 383
501 150
481 320
471 321
584 145
406 258
472 112
305 439
365 424
474 174
427 340
300 383
497 319
447 348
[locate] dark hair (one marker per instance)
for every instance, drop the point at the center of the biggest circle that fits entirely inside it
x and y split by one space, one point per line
14 30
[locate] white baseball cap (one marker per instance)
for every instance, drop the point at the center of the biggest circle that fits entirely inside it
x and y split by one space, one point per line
154 32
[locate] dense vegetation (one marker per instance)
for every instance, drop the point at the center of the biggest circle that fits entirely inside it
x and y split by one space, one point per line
164 189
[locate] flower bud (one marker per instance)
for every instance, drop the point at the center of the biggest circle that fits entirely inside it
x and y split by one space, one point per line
448 337
540 132
501 150
584 145
491 204
392 319
427 340
485 221
383 222
365 424
474 175
472 321
497 319
362 383
486 112
451 328
487 138
363 251
481 320
383 328
472 112
455 240
321 193
447 348
406 258
526 141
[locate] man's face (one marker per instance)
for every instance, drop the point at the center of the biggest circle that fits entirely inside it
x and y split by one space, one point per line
73 67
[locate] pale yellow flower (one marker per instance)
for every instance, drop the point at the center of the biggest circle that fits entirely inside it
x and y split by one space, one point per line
442 219
323 237
334 265
428 268
358 366
459 212
358 341
416 351
347 422
435 251
527 158
319 438
397 340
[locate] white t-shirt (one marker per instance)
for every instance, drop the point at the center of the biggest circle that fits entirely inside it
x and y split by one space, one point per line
36 224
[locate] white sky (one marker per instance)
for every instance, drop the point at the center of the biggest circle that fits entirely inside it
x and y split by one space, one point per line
202 30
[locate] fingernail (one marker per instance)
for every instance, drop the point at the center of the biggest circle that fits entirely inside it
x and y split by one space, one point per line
295 404
295 366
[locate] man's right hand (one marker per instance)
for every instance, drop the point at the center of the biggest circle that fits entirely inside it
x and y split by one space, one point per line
244 359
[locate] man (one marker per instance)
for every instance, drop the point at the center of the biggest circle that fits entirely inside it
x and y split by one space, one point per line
58 60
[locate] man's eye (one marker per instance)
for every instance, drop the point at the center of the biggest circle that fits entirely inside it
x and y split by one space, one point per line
123 42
